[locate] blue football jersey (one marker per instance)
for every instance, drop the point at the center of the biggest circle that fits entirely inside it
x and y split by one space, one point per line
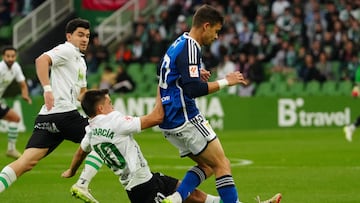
180 65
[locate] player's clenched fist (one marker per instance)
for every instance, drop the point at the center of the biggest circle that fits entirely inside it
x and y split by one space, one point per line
236 78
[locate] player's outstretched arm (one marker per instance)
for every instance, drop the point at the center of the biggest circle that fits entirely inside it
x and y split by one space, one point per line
78 158
231 79
156 116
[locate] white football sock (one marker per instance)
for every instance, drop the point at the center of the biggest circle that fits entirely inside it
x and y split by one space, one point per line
12 135
7 177
93 163
212 199
175 197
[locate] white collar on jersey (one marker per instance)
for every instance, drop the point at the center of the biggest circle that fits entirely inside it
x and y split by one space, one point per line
76 48
186 35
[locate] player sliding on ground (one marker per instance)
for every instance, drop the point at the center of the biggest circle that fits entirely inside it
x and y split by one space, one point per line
110 134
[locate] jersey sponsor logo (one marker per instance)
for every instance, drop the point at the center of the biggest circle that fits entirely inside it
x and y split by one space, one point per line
51 127
81 75
6 78
193 70
178 134
166 98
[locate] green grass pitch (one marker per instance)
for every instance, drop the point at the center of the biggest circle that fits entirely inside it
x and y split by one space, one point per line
305 165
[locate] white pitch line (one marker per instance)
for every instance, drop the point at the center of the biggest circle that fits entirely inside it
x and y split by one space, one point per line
233 161
58 168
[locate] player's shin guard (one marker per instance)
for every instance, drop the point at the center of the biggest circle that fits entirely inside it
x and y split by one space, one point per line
93 163
192 179
12 135
7 177
226 188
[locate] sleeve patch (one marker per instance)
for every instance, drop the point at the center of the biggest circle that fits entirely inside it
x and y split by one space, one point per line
128 118
194 72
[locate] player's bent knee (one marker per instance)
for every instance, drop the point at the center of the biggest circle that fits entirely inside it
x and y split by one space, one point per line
12 116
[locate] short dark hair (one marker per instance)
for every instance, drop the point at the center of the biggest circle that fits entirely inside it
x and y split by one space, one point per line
91 99
207 13
73 24
7 48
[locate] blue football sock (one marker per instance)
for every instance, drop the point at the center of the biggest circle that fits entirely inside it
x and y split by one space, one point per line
192 179
226 188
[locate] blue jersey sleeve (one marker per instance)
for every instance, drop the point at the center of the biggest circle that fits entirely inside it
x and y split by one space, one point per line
188 64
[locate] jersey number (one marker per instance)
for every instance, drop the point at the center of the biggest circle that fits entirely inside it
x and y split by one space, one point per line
164 72
111 155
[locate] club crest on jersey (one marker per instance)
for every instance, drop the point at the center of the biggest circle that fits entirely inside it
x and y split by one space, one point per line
128 118
193 70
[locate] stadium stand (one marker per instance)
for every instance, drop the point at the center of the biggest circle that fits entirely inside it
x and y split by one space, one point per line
312 88
345 88
296 89
275 59
265 89
330 88
281 89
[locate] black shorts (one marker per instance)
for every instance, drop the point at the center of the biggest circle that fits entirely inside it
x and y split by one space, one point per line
159 185
3 110
50 130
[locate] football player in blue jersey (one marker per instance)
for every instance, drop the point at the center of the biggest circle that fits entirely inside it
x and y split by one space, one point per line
181 80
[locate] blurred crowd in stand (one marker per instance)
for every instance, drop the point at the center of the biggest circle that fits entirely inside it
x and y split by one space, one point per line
9 9
288 40
293 40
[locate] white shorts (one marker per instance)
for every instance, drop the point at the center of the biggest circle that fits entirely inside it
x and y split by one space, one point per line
192 137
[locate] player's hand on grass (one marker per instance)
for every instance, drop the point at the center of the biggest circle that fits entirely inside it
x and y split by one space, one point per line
68 173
